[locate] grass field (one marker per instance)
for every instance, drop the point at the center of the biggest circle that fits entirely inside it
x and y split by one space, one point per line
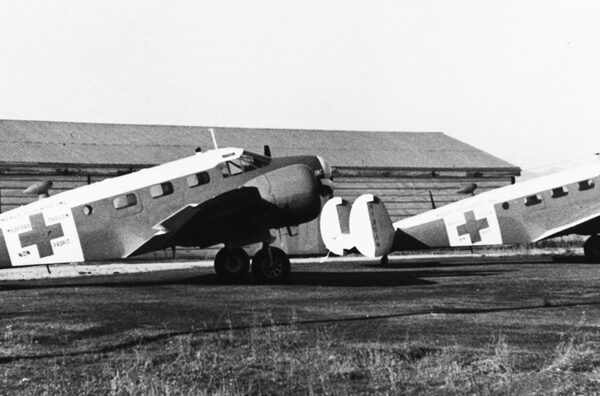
296 359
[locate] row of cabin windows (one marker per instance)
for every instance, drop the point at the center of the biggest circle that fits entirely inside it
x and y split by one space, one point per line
229 168
238 166
556 193
160 190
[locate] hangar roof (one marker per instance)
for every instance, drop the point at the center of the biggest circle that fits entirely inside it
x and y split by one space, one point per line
49 142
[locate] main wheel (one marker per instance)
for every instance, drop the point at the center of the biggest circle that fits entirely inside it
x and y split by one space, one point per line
591 248
270 265
232 264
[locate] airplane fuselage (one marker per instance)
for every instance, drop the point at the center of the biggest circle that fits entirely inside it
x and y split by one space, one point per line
138 212
528 211
567 202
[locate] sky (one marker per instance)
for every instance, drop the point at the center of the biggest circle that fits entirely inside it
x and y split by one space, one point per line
520 80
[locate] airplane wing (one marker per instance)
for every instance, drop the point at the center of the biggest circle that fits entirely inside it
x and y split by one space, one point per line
576 223
204 224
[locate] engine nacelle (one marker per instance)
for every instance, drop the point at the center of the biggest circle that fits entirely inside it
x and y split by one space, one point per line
293 189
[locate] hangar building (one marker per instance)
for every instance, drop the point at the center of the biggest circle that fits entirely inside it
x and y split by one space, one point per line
407 170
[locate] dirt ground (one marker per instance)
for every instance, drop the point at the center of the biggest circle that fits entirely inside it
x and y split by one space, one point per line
532 304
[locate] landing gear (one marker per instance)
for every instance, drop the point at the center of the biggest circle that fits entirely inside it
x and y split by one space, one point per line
270 265
591 248
232 264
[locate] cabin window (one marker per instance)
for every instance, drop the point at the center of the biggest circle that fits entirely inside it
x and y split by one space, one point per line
198 179
125 201
559 192
162 189
533 200
586 185
505 205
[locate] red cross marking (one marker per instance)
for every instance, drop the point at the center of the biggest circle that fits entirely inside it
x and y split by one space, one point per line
472 227
41 235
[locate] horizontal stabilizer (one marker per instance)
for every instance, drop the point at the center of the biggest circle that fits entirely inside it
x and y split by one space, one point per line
371 226
335 228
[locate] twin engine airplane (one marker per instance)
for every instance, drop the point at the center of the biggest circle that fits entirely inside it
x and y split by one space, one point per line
225 195
534 210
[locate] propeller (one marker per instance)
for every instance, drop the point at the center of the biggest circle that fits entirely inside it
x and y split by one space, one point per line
325 178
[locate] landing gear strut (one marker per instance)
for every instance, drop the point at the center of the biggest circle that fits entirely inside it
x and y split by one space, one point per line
591 248
232 264
270 265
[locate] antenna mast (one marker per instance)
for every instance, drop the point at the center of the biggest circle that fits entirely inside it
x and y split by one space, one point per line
212 133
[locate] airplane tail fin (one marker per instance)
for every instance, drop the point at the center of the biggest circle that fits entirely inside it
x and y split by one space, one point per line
366 226
371 226
335 226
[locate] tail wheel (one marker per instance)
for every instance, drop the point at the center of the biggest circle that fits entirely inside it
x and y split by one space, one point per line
591 248
270 265
232 264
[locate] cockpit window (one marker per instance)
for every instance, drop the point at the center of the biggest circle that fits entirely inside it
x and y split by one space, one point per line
258 161
231 168
245 163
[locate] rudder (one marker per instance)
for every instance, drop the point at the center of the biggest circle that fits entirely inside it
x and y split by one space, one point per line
371 226
334 225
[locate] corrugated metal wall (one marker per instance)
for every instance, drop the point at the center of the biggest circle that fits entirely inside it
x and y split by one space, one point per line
405 197
12 186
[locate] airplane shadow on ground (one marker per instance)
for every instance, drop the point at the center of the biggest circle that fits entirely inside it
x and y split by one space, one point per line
477 261
405 264
574 260
381 278
313 278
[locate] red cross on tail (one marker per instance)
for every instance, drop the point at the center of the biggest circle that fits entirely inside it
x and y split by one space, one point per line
472 227
41 235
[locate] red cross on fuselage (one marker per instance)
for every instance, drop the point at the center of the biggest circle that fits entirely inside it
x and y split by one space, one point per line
472 227
41 235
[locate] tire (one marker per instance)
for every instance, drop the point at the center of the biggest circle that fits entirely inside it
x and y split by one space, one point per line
232 264
591 248
270 265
